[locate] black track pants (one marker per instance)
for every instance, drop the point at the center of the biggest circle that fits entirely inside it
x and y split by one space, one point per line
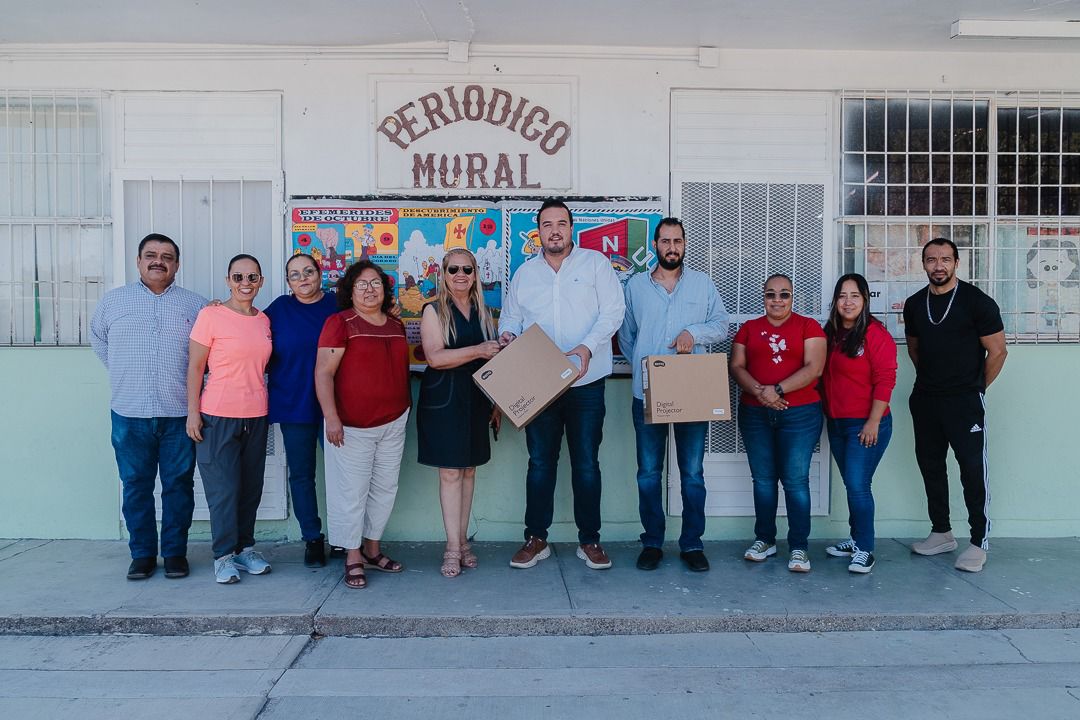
959 421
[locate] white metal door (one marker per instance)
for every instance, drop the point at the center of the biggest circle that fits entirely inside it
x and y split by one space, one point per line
212 217
738 233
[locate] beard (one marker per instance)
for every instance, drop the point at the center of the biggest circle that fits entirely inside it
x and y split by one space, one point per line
939 282
668 264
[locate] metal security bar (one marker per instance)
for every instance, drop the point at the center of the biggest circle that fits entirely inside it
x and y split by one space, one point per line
739 234
996 172
55 228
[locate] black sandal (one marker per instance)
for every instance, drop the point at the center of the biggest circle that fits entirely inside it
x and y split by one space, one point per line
354 576
382 563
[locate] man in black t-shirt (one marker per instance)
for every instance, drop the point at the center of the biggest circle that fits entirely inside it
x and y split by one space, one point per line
956 341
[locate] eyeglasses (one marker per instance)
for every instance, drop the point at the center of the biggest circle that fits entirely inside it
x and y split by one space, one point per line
772 295
251 277
365 284
305 273
453 269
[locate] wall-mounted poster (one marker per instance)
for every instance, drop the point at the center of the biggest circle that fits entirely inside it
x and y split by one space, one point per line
409 238
1043 263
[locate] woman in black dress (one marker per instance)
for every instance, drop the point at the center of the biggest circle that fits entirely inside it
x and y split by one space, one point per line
458 335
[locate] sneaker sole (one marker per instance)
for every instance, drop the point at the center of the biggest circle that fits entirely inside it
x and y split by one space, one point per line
837 553
798 568
760 558
228 581
860 569
252 572
969 568
589 563
936 550
542 555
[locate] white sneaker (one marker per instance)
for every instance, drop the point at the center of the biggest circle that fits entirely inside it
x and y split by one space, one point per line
251 562
844 548
225 570
799 562
759 551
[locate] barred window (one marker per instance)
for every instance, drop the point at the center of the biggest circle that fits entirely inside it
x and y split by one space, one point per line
55 229
997 173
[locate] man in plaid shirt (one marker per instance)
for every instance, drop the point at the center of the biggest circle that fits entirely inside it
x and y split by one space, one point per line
140 332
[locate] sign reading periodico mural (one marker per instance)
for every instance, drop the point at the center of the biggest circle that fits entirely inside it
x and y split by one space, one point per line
409 240
465 137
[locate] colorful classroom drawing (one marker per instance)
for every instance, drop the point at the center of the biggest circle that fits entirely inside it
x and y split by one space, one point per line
408 240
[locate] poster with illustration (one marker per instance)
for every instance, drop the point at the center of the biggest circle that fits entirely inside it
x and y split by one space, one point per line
408 240
1044 298
621 230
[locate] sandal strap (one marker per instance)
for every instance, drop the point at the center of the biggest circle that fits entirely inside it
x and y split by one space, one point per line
354 574
381 561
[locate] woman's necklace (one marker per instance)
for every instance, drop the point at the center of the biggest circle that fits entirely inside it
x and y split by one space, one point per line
947 307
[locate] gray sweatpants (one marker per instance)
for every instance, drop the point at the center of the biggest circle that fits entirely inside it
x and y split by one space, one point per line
232 461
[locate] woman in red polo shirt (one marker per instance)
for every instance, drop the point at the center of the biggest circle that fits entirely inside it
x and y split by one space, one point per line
860 374
362 382
777 359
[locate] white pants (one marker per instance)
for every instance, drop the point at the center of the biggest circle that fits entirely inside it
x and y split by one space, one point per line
362 481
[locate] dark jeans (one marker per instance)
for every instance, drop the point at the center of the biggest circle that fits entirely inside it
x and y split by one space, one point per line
689 452
580 410
960 421
232 463
145 448
300 441
857 465
779 446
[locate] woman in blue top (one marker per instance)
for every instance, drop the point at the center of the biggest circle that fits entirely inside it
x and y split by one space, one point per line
296 320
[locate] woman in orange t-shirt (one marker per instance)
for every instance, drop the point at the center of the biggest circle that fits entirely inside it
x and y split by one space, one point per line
227 417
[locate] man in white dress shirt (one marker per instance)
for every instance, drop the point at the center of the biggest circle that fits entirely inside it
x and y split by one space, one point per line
573 294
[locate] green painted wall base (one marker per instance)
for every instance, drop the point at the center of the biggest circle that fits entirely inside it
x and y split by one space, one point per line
60 476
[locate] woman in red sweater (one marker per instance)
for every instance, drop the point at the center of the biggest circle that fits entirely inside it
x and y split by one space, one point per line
859 377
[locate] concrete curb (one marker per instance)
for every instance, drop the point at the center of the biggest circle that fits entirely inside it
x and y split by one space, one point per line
459 626
158 625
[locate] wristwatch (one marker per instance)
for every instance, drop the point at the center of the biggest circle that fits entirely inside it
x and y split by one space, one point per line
779 390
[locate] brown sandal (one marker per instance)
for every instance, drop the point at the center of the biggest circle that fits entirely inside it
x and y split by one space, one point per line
451 563
468 557
382 563
354 576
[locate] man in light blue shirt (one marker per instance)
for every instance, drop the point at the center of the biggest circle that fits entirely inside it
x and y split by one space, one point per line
140 332
671 309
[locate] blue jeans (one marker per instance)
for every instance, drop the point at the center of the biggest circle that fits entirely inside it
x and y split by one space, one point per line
779 446
580 410
300 441
145 448
857 465
689 452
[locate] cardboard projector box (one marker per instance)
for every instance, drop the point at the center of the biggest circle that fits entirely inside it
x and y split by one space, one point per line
526 376
686 388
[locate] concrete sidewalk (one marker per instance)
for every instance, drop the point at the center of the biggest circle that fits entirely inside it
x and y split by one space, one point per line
78 588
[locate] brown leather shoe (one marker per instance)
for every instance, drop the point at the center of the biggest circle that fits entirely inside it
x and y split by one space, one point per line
594 556
533 551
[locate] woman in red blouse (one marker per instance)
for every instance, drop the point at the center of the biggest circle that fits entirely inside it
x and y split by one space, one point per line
860 373
776 360
362 382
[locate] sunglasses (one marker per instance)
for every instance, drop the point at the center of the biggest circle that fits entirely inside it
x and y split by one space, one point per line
453 269
305 273
772 295
251 277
